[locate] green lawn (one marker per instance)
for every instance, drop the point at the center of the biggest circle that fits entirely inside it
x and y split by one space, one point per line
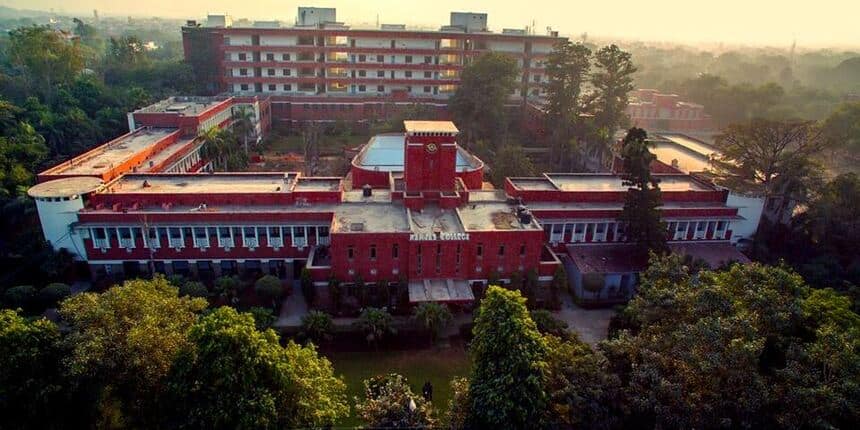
438 365
293 143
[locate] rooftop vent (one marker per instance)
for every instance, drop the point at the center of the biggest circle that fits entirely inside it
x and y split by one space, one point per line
356 226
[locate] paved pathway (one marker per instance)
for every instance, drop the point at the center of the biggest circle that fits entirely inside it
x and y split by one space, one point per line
293 309
591 325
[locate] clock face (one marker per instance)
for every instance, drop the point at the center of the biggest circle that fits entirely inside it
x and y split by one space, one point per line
431 147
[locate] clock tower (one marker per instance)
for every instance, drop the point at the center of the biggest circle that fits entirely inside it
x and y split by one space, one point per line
430 158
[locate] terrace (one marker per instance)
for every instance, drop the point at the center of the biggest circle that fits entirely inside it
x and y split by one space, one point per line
485 216
203 183
385 152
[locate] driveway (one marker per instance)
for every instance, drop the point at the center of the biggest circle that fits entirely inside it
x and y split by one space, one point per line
592 325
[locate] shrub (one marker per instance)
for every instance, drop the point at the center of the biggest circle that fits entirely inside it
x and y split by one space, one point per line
226 286
269 288
54 293
547 323
317 326
193 289
376 323
433 317
263 317
176 280
21 296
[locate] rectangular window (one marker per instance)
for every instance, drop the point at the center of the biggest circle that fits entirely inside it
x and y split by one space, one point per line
408 59
270 57
380 73
522 250
701 226
285 57
287 72
501 250
362 58
395 251
274 232
721 225
200 232
479 251
428 75
362 73
362 88
273 87
350 252
380 58
243 72
380 88
288 87
243 56
244 87
373 252
428 59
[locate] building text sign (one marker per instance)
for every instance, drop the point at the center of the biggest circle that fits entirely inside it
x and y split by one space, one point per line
438 236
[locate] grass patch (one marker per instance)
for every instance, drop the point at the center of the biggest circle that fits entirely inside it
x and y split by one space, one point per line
438 365
280 144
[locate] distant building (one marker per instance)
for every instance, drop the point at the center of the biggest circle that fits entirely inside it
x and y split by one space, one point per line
654 111
324 70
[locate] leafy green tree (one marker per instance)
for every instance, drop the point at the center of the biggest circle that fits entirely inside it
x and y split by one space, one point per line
830 221
44 59
222 147
317 326
126 339
193 289
232 376
744 347
509 161
30 376
772 158
263 317
568 70
842 130
269 288
582 392
509 364
641 216
478 105
243 124
433 317
389 403
125 51
54 293
612 80
21 152
308 288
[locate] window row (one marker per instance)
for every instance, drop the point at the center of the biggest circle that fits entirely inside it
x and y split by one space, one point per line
204 236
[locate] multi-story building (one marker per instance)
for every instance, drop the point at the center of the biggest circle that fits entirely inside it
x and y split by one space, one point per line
322 69
412 210
655 111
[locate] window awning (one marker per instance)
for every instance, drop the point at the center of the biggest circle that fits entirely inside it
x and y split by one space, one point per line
440 290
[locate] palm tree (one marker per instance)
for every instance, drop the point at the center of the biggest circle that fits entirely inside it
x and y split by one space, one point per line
243 123
433 317
221 147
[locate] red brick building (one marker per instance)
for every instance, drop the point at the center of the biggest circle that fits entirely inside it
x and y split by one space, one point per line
414 214
655 111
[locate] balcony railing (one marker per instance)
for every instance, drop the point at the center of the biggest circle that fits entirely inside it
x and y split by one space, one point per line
177 242
276 242
324 241
201 242
251 242
101 243
226 242
300 242
127 243
153 243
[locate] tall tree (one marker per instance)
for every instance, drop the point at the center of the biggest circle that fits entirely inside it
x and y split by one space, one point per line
510 160
613 81
568 70
232 376
641 214
433 317
126 339
509 364
842 131
772 158
243 124
222 148
478 105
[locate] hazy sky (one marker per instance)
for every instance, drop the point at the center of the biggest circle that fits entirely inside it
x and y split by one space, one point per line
752 22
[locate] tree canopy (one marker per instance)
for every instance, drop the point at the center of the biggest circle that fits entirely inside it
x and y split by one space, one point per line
478 105
641 215
389 403
509 364
232 376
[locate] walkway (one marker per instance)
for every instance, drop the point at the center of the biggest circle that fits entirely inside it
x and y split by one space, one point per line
592 325
293 309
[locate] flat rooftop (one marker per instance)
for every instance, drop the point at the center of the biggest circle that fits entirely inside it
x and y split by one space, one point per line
152 163
492 216
318 184
690 143
595 183
385 152
189 106
370 218
203 183
112 154
680 157
433 220
65 187
430 127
